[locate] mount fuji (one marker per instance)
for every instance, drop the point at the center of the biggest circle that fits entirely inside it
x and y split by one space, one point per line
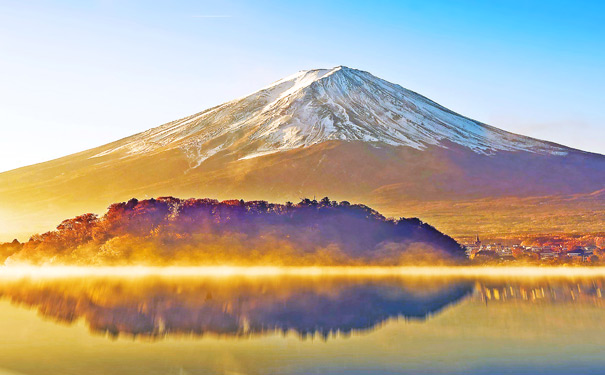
315 106
338 132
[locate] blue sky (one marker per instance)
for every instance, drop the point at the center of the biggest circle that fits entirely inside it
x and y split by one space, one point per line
75 75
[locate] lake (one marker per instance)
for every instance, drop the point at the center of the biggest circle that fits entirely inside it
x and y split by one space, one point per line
301 325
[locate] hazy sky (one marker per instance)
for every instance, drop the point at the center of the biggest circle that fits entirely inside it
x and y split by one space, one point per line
76 74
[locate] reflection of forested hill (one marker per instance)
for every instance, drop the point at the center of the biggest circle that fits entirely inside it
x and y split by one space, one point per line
204 231
235 307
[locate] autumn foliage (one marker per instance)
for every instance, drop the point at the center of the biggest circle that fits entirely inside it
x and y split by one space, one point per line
173 231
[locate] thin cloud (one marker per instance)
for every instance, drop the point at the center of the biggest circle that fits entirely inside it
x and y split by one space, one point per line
211 16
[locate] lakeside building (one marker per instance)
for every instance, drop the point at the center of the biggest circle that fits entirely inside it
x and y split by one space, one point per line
498 251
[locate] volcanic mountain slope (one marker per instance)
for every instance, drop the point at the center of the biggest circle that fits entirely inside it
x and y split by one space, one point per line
339 132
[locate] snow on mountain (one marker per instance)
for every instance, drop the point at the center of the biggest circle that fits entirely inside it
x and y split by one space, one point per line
319 105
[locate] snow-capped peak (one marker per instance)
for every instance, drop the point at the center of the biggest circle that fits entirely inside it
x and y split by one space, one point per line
314 106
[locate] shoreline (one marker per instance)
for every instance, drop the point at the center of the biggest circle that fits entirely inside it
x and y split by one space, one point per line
434 272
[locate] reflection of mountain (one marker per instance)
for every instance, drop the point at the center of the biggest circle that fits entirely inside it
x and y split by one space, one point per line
235 307
558 291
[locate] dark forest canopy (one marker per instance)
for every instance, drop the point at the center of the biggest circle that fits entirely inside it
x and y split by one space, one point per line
172 231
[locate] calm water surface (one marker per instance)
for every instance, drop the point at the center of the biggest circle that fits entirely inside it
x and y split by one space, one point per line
301 325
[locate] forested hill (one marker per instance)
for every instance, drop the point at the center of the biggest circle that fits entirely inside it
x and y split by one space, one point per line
172 231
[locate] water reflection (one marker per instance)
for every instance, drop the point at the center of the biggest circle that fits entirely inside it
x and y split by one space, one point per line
158 307
554 291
